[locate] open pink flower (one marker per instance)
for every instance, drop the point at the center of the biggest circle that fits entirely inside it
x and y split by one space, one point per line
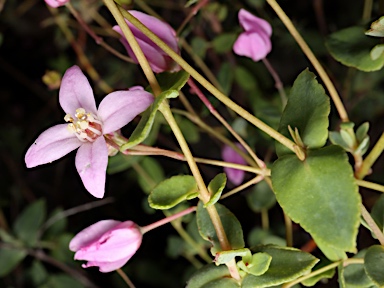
108 244
228 154
56 3
86 128
158 60
255 42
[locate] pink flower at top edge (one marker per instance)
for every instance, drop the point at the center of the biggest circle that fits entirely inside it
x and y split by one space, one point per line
107 244
158 60
228 154
255 41
56 3
86 128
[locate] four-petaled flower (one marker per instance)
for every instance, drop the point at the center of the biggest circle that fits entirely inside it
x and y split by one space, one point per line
255 42
228 154
86 128
56 3
157 58
108 244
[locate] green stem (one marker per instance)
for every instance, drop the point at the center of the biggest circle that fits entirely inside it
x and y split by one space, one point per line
371 158
253 181
278 84
372 224
367 10
212 89
370 185
312 58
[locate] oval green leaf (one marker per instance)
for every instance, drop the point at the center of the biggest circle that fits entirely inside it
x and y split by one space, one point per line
374 263
9 258
261 197
258 265
307 110
355 275
211 276
320 193
287 264
352 48
172 81
172 191
216 187
232 227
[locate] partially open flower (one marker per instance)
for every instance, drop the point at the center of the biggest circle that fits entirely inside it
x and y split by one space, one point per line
228 154
107 244
56 3
157 58
255 42
86 128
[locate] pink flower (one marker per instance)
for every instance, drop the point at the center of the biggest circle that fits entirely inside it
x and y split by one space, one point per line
158 60
228 154
255 42
86 128
56 3
108 244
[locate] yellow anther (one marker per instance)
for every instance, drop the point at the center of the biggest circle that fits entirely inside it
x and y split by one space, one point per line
83 124
68 118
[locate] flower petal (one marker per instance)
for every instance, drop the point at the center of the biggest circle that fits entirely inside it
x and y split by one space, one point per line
52 144
250 22
75 92
106 267
91 164
228 154
252 45
120 107
92 233
56 3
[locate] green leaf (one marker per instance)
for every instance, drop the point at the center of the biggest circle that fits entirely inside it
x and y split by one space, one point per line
232 227
9 259
172 191
59 226
378 212
328 274
352 48
321 194
212 276
307 110
259 236
223 43
189 129
335 138
287 264
199 46
354 274
172 81
144 127
341 279
245 78
261 197
120 162
362 132
223 257
27 224
374 263
225 77
152 174
62 281
377 28
37 273
258 265
377 52
330 251
216 187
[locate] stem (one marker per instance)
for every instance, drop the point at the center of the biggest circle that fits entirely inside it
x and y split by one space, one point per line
371 223
264 219
371 158
367 10
288 230
166 220
111 5
125 278
312 58
253 181
219 95
370 185
278 84
191 14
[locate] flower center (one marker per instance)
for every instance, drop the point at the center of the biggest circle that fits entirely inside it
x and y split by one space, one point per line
85 125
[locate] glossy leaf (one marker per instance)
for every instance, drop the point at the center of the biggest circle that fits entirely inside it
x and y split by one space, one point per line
27 224
172 81
215 188
374 263
352 48
321 195
307 110
287 264
211 276
142 130
232 227
261 197
355 275
223 257
9 258
172 191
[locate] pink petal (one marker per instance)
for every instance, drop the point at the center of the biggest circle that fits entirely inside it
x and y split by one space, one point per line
120 107
250 22
56 3
236 176
228 154
91 164
106 267
75 92
51 145
252 45
92 233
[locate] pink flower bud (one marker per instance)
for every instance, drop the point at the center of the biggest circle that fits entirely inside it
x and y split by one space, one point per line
107 244
228 154
255 41
158 60
56 3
